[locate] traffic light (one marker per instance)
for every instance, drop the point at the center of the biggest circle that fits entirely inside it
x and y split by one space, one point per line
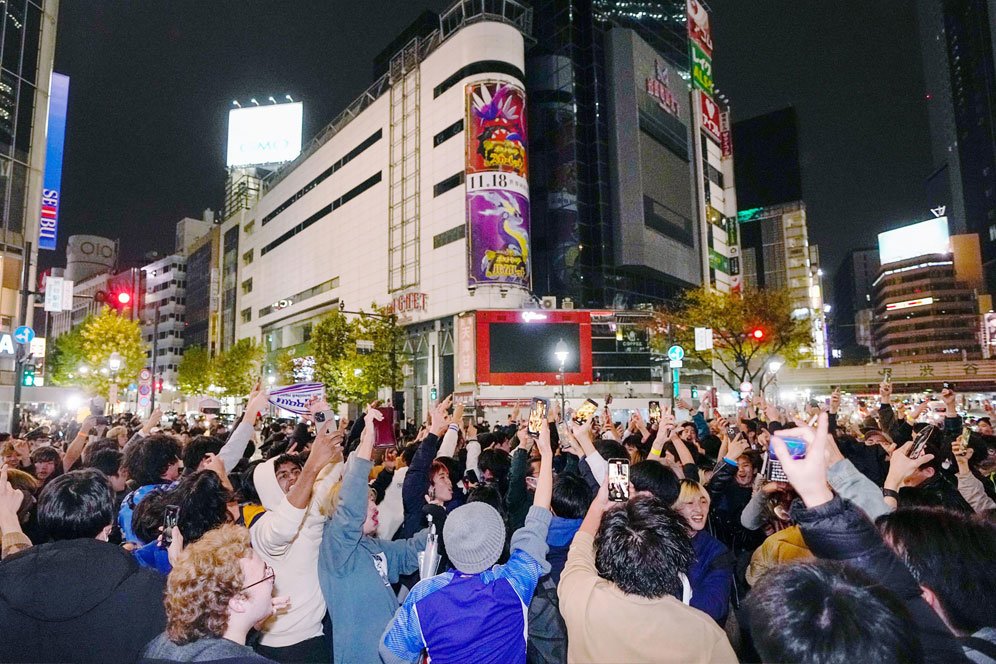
119 299
695 391
433 393
28 375
123 298
757 333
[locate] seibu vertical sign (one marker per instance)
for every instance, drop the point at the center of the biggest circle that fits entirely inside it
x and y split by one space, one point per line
48 222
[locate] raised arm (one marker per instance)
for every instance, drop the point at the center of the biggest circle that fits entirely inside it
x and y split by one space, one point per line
75 449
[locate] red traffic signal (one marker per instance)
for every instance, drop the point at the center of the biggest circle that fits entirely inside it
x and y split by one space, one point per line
123 298
758 334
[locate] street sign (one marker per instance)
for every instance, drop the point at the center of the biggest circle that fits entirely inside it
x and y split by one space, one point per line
675 364
676 353
53 294
145 375
675 384
703 338
24 335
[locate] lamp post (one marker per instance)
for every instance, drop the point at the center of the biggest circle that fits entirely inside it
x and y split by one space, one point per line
773 366
114 364
562 352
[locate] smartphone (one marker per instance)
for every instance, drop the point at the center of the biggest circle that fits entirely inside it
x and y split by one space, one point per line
563 433
608 399
732 430
537 415
887 378
169 521
384 429
101 421
773 470
585 411
920 441
619 480
654 410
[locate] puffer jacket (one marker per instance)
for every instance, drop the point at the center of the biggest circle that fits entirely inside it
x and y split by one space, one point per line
838 530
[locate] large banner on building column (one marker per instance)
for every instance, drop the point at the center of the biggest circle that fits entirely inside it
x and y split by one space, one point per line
497 189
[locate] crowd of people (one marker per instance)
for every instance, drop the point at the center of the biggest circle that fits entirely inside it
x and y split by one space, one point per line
760 535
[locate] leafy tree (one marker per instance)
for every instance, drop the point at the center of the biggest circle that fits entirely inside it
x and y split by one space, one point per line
236 370
352 373
64 359
737 355
194 374
82 356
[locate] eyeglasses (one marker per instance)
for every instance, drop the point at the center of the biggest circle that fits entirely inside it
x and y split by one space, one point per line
268 574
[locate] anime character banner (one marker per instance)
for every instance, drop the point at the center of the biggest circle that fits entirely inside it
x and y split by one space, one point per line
498 245
496 128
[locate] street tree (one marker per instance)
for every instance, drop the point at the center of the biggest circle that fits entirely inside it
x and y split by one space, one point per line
194 374
236 370
356 357
749 330
82 357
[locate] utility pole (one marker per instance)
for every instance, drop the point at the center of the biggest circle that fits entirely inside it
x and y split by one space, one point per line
22 317
155 357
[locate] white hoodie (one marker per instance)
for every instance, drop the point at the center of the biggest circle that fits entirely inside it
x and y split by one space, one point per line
287 539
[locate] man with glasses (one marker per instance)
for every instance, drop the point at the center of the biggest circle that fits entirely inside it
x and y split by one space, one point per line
219 589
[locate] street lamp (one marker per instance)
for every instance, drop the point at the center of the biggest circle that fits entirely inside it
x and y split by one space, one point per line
114 362
562 352
774 365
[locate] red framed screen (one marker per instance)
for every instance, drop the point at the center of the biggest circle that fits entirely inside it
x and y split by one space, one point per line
518 347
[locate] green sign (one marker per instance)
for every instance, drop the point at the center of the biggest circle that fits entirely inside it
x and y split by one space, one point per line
732 231
701 68
750 215
718 261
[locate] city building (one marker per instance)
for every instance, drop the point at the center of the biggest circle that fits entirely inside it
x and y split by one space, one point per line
768 170
958 46
927 295
421 196
632 178
850 319
162 316
201 301
776 254
27 52
98 281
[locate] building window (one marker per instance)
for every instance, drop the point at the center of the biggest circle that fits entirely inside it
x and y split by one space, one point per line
324 175
246 315
247 286
452 235
247 257
447 133
249 228
451 182
480 67
300 297
337 203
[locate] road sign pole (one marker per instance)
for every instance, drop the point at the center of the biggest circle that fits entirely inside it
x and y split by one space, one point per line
22 318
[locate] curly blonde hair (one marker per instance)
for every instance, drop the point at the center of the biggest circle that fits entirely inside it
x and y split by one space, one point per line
206 576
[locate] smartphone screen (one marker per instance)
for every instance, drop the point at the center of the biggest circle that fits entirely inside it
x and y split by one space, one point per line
537 415
732 431
920 442
585 411
618 480
384 429
655 412
170 516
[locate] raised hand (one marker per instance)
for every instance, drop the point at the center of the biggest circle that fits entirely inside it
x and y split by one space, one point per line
901 467
439 417
10 498
809 474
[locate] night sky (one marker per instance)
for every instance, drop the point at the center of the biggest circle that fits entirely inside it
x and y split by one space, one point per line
152 83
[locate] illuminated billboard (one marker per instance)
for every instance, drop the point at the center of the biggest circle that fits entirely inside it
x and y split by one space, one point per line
924 238
909 304
264 134
55 139
496 173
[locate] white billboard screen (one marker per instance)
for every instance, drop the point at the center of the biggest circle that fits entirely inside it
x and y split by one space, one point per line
264 134
926 237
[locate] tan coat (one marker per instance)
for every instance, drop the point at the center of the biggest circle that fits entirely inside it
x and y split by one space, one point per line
607 626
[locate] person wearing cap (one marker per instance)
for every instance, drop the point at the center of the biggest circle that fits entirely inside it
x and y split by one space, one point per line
477 612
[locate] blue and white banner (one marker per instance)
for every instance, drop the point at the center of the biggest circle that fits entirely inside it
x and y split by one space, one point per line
58 101
295 398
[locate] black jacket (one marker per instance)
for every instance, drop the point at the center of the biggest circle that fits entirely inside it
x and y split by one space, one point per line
77 601
840 531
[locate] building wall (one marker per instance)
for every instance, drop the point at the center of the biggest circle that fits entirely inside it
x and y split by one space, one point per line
165 291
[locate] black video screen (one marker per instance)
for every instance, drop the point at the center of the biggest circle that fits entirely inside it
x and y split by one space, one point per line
529 347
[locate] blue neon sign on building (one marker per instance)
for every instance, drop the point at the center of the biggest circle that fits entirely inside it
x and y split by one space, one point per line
48 223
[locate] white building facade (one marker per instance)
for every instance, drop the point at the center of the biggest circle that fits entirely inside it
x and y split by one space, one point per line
162 316
375 211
